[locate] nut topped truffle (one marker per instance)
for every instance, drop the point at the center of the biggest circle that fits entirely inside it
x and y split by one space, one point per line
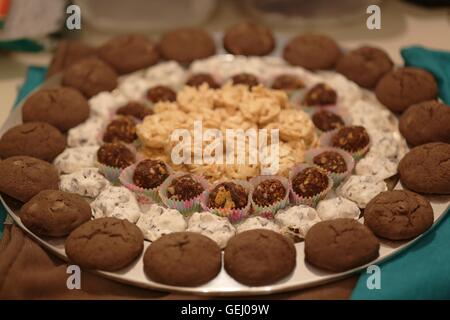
161 93
331 161
320 95
121 129
327 120
245 78
197 79
351 138
184 188
150 173
287 82
228 195
269 192
134 109
310 182
115 155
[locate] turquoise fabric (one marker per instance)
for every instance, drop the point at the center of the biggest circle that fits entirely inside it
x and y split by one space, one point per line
35 77
422 271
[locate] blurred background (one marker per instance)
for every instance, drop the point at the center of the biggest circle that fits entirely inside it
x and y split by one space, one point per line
31 29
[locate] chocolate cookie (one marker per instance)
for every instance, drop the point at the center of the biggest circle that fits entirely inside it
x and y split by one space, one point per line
61 107
184 188
404 87
67 53
339 245
108 244
228 195
183 259
54 213
23 177
365 65
135 109
245 78
398 215
268 192
121 129
312 51
150 173
249 39
259 257
35 139
197 79
426 122
185 45
426 168
128 53
115 155
160 94
90 76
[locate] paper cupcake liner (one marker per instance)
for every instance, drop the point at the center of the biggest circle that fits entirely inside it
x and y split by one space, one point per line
234 215
270 211
337 177
335 109
325 141
184 206
113 173
143 195
309 201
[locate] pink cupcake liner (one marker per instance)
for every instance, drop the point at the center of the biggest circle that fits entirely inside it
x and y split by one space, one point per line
270 211
335 109
143 195
234 215
337 177
184 206
325 141
309 201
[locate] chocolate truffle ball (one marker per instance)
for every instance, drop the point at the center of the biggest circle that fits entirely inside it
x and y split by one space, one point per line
310 182
161 93
268 192
150 173
403 87
121 129
90 76
187 44
184 188
134 109
365 66
331 161
351 138
246 79
228 195
249 39
287 82
312 51
325 120
115 155
320 95
35 139
197 79
128 53
63 108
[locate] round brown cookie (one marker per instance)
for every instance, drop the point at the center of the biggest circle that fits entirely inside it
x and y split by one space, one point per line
129 52
398 215
183 259
426 168
365 65
187 44
90 76
55 213
312 51
426 122
404 87
249 39
67 53
23 177
259 257
34 139
106 244
339 245
61 107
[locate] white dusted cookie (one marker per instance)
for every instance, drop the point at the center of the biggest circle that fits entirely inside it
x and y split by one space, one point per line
105 104
86 182
217 228
377 166
297 220
86 134
74 159
361 189
389 145
257 222
337 207
116 202
158 221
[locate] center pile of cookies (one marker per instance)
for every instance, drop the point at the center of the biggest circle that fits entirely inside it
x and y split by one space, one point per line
92 160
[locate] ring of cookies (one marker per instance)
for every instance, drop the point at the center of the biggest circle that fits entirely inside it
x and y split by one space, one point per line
93 159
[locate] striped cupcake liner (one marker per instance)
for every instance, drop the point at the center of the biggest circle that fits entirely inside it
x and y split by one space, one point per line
270 211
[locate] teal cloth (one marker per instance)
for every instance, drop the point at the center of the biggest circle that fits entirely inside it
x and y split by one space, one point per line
35 77
422 271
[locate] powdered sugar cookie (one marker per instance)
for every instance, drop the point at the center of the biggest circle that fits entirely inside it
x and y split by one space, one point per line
74 159
87 182
158 221
337 207
217 228
257 223
296 221
361 189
